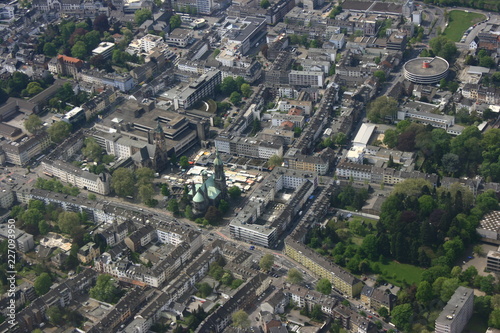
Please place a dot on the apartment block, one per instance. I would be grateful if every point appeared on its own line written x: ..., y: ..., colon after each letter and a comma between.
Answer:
x: 457, y: 312
x: 341, y: 280
x: 20, y: 153
x: 307, y: 78
x: 75, y: 176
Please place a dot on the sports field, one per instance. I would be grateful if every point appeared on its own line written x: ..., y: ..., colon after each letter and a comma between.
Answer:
x: 459, y: 22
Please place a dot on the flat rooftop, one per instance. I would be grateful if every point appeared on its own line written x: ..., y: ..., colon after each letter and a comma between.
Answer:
x: 436, y: 66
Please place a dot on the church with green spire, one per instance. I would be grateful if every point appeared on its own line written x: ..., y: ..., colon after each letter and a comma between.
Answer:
x: 212, y: 190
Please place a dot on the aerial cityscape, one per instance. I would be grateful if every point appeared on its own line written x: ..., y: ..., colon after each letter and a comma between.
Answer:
x: 250, y: 166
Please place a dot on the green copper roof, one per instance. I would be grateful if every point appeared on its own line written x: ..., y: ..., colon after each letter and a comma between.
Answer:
x: 217, y: 160
x: 198, y: 197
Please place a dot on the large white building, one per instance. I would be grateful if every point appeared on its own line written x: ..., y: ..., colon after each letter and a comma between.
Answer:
x: 273, y: 220
x: 68, y: 173
x: 457, y: 312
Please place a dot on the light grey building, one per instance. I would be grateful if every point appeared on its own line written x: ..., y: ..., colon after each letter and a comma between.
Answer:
x: 457, y: 312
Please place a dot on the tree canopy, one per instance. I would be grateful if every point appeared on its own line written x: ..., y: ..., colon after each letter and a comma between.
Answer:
x: 266, y: 262
x: 240, y: 319
x: 324, y: 286
x: 59, y: 131
x: 381, y: 109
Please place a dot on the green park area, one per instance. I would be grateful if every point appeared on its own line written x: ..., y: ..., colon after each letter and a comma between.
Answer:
x: 397, y: 273
x: 459, y: 21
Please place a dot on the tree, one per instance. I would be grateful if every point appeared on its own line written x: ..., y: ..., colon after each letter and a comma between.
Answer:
x: 68, y: 221
x: 33, y: 88
x: 223, y: 206
x: 165, y: 191
x: 487, y: 62
x: 42, y: 284
x: 184, y: 162
x: 228, y: 85
x: 101, y: 23
x: 294, y: 276
x: 59, y: 131
x: 144, y: 176
x: 380, y: 74
x: 390, y: 138
x: 43, y: 227
x: 451, y: 163
x: 55, y: 315
x: 494, y: 320
x: 175, y: 22
x: 49, y: 49
x: 324, y: 286
x: 266, y: 262
x: 235, y: 98
x: 123, y: 182
x: 142, y: 15
x: 443, y: 47
x: 370, y: 247
x: 424, y: 293
x: 204, y: 289
x: 213, y: 215
x: 92, y: 150
x: 240, y: 319
x: 316, y: 312
x: 79, y: 50
x: 274, y: 161
x: 246, y: 90
x: 383, y: 312
x: 401, y: 316
x: 173, y: 206
x: 265, y: 4
x: 234, y: 192
x: 146, y: 192
x: 380, y: 109
x: 105, y: 289
x: 33, y: 124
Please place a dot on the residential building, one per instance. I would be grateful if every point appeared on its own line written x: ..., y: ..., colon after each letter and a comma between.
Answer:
x: 203, y: 86
x: 99, y: 103
x: 64, y: 65
x: 140, y: 238
x: 378, y: 297
x: 24, y: 241
x: 20, y: 153
x: 75, y: 176
x: 307, y: 78
x: 248, y: 147
x: 274, y: 222
x: 61, y: 295
x: 341, y: 280
x: 123, y: 82
x: 179, y: 37
x: 88, y: 252
x: 319, y: 162
x: 457, y: 312
x: 6, y: 197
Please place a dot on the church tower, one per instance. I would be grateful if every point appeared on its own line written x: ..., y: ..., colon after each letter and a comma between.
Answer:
x: 219, y: 176
x: 161, y: 156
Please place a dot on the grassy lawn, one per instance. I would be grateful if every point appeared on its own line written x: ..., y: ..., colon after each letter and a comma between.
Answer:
x: 459, y: 22
x: 361, y: 218
x: 395, y: 273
